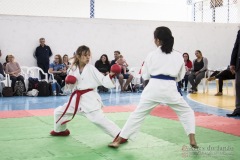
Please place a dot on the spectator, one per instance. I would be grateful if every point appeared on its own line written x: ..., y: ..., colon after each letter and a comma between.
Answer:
x: 5, y: 63
x: 224, y: 75
x: 103, y: 65
x: 122, y: 62
x: 188, y: 66
x: 122, y: 76
x: 42, y: 54
x: 58, y: 70
x: 235, y: 68
x: 14, y: 70
x: 66, y: 62
x: 200, y: 66
x: 2, y: 75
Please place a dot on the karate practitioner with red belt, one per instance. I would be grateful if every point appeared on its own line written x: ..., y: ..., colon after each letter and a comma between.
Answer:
x: 84, y: 79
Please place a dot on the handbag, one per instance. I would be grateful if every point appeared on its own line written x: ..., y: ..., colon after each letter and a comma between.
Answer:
x: 7, y: 92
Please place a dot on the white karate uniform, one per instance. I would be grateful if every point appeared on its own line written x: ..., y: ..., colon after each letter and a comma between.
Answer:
x: 90, y: 103
x: 159, y: 91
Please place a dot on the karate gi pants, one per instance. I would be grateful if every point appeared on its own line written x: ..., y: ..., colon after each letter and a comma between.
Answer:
x: 97, y: 117
x: 159, y: 92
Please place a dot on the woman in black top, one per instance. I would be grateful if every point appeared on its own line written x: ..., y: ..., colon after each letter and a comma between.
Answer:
x: 103, y: 65
x: 200, y: 66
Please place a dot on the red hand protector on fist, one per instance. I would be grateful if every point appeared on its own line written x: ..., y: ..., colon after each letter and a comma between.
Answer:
x: 70, y: 79
x: 116, y: 68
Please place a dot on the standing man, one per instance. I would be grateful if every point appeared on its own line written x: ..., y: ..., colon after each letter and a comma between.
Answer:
x: 235, y: 68
x: 122, y: 76
x: 42, y: 54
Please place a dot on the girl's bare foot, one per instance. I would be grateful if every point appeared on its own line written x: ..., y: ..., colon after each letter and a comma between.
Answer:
x: 116, y: 143
x: 193, y: 142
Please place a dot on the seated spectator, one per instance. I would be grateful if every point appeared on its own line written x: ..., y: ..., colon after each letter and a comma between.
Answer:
x: 103, y: 65
x: 5, y: 63
x: 122, y: 62
x: 188, y: 66
x: 221, y: 76
x: 122, y: 76
x: 200, y: 66
x: 58, y: 70
x: 2, y: 75
x: 14, y: 70
x: 66, y: 62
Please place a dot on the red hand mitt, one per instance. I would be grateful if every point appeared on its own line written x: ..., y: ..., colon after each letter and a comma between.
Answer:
x: 116, y: 68
x: 70, y: 79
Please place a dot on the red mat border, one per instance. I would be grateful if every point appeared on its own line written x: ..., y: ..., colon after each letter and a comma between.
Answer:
x: 218, y: 123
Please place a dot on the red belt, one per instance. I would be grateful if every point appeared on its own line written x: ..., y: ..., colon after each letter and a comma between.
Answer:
x: 79, y: 93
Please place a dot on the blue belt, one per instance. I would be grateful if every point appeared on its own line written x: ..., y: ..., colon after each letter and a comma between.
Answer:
x: 164, y: 77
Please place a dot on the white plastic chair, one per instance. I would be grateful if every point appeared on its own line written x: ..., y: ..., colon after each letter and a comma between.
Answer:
x: 226, y: 82
x: 34, y: 72
x: 24, y: 73
x: 51, y: 78
x: 24, y: 70
x: 204, y: 82
x: 134, y: 71
x: 6, y: 82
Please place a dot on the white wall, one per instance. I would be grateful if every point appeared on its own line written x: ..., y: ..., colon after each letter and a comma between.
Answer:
x: 19, y: 36
x: 164, y: 10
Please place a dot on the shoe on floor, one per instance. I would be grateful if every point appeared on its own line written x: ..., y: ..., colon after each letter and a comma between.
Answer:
x: 211, y: 78
x: 63, y: 133
x: 218, y: 94
x: 234, y: 114
x: 194, y: 92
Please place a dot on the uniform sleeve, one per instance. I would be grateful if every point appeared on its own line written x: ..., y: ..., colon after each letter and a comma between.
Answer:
x: 101, y: 79
x: 145, y: 71
x: 181, y: 73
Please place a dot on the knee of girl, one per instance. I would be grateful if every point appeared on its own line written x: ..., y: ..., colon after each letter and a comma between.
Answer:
x: 57, y: 111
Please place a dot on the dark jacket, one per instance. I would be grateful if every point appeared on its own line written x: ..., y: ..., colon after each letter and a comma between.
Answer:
x: 235, y: 58
x: 1, y: 69
x: 102, y: 67
x: 43, y: 54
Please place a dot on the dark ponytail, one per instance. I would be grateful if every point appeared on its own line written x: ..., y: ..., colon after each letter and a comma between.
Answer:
x: 164, y: 34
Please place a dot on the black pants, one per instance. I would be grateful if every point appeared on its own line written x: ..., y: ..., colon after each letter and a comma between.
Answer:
x: 60, y: 79
x: 183, y: 81
x: 224, y: 75
x: 15, y: 79
x: 44, y: 67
